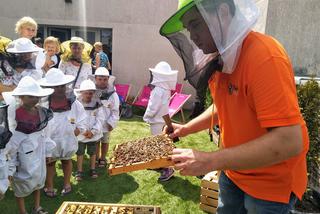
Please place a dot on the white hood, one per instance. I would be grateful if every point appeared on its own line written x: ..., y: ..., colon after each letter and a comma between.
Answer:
x: 162, y: 76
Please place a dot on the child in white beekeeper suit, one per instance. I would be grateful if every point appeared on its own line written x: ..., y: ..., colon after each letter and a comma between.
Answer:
x: 162, y: 81
x: 5, y: 135
x: 28, y: 61
x: 93, y: 132
x: 110, y: 100
x: 68, y: 122
x: 30, y: 145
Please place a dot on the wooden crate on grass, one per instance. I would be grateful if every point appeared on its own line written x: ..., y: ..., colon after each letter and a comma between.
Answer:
x: 209, y: 192
x: 146, y: 153
x: 71, y: 207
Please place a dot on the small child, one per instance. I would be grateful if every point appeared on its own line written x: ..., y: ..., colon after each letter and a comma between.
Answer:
x: 5, y: 135
x: 162, y: 81
x: 26, y: 27
x: 68, y: 122
x: 52, y: 48
x: 110, y: 101
x: 30, y: 144
x: 93, y: 131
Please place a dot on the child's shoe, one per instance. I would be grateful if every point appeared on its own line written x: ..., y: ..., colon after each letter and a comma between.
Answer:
x: 39, y: 210
x: 93, y: 173
x: 166, y: 174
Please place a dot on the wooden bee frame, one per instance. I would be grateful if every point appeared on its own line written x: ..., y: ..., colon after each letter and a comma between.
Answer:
x: 71, y: 207
x: 157, y: 162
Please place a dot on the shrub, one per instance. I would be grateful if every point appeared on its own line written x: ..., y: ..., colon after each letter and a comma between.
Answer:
x: 309, y: 101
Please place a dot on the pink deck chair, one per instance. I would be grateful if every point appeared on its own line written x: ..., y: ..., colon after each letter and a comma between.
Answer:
x: 142, y: 98
x: 123, y: 90
x: 176, y: 102
x: 178, y: 89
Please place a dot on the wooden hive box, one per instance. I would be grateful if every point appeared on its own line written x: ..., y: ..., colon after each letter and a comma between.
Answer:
x: 209, y: 192
x: 71, y: 207
x: 154, y: 163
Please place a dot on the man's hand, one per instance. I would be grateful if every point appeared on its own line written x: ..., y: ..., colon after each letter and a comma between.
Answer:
x: 192, y: 162
x: 178, y: 130
x: 76, y: 132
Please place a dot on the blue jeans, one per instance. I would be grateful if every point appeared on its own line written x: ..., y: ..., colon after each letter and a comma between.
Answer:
x: 232, y: 200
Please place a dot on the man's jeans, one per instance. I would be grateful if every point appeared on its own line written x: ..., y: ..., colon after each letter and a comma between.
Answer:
x: 232, y: 200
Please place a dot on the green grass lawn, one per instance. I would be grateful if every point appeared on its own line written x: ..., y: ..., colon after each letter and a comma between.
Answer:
x: 178, y: 195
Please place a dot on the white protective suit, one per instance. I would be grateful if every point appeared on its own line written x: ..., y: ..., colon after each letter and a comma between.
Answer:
x: 69, y: 69
x: 158, y: 104
x: 110, y: 101
x: 27, y: 162
x: 93, y: 122
x: 63, y: 126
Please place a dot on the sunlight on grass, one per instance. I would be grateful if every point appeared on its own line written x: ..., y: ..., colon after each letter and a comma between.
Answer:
x: 178, y: 195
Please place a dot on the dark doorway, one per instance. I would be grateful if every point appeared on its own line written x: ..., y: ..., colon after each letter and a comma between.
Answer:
x: 62, y: 33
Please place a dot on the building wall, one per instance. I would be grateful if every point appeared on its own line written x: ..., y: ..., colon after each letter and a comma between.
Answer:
x: 136, y: 44
x: 296, y: 24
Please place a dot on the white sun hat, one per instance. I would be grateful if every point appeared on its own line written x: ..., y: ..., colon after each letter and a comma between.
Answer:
x: 101, y: 71
x: 76, y: 39
x: 86, y: 85
x: 55, y: 77
x: 30, y: 87
x: 23, y: 45
x: 163, y: 68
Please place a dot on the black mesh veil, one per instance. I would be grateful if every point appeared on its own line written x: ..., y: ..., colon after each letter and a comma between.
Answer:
x: 197, y: 72
x: 5, y: 133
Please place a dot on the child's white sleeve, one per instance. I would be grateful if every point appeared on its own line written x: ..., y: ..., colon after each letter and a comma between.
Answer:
x: 50, y: 144
x: 97, y: 127
x: 154, y: 103
x: 54, y: 59
x: 81, y: 116
x: 115, y: 114
x: 12, y: 148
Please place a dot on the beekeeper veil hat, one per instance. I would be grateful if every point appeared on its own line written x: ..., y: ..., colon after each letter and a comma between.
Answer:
x: 228, y: 22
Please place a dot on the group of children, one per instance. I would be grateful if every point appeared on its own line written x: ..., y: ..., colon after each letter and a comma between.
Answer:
x: 54, y: 113
x: 51, y: 122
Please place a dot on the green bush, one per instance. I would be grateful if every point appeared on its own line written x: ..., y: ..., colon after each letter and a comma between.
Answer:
x: 309, y: 101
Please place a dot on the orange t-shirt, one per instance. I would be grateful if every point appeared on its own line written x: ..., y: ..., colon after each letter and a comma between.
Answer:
x: 259, y: 94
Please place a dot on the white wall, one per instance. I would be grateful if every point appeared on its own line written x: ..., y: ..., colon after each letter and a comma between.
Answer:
x: 137, y: 44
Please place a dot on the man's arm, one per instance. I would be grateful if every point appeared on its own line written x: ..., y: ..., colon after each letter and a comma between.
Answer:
x: 277, y: 145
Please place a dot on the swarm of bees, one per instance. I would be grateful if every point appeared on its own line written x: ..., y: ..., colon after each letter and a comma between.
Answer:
x: 143, y: 150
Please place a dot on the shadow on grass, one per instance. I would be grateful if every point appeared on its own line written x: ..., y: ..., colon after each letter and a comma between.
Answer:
x: 182, y: 188
x: 105, y: 188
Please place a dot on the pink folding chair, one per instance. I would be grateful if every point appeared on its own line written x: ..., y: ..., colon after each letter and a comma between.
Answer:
x: 178, y: 89
x: 123, y: 90
x: 177, y: 100
x: 142, y: 98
